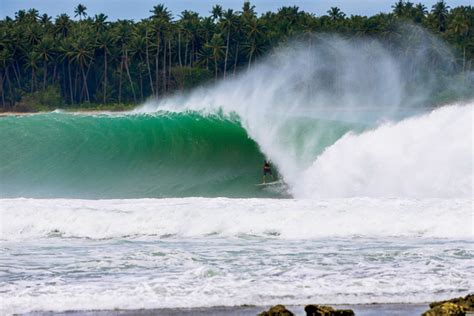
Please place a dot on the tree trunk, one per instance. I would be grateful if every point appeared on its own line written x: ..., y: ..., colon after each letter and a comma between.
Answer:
x: 120, y: 80
x: 157, y: 67
x: 226, y: 52
x: 45, y: 75
x: 169, y: 65
x: 130, y: 77
x: 76, y: 83
x: 55, y: 72
x: 179, y: 49
x: 32, y: 79
x: 85, y: 83
x: 191, y: 59
x: 148, y: 65
x: 141, y: 87
x: 464, y: 59
x: 186, y: 54
x: 3, y: 93
x: 105, y: 78
x: 250, y: 58
x: 9, y: 83
x: 18, y: 73
x: 164, y: 66
x: 70, y: 82
x: 215, y: 66
x: 236, y: 57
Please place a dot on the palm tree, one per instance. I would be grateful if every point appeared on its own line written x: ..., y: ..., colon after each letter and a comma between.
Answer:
x: 459, y: 26
x: 248, y: 10
x: 336, y: 14
x: 80, y: 11
x: 45, y: 51
x: 45, y: 21
x: 216, y: 45
x: 105, y: 43
x: 32, y: 60
x: 161, y: 19
x: 216, y: 12
x: 6, y: 59
x: 147, y: 31
x: 100, y: 23
x: 82, y: 54
x: 440, y: 13
x: 190, y: 25
x: 65, y: 53
x: 228, y: 22
x: 62, y: 25
x: 420, y: 13
x: 254, y: 30
x: 123, y: 35
x: 205, y: 56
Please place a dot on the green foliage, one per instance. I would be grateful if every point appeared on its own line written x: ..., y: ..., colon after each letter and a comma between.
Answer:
x: 186, y: 78
x: 90, y: 60
x: 41, y: 100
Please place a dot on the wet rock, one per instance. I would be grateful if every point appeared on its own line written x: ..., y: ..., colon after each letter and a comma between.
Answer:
x: 277, y: 310
x: 466, y: 302
x: 446, y: 309
x: 321, y: 310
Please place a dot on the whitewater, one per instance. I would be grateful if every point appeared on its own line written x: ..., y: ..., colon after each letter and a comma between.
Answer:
x: 158, y: 207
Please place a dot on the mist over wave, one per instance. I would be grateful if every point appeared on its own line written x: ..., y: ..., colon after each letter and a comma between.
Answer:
x: 426, y: 156
x: 360, y: 83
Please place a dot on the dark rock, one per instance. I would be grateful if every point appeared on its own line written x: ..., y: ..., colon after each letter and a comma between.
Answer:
x: 446, y: 309
x: 277, y: 310
x: 321, y: 310
x: 466, y: 302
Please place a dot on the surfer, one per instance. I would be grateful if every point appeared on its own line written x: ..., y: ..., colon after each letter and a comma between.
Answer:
x: 267, y: 170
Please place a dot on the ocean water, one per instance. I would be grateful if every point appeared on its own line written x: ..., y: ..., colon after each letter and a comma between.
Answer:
x: 159, y: 208
x: 86, y: 249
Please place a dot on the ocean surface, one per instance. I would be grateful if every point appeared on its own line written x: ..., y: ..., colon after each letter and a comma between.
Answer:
x: 148, y: 210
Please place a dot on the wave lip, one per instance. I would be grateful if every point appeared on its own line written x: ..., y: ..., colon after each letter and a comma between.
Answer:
x: 269, y: 218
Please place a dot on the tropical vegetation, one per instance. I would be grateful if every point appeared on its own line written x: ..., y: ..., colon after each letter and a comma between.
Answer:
x: 83, y: 61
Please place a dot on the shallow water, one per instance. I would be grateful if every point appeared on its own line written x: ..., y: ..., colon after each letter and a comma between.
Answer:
x: 168, y: 253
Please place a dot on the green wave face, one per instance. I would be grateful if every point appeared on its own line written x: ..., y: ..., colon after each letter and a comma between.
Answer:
x: 129, y: 156
x: 139, y: 156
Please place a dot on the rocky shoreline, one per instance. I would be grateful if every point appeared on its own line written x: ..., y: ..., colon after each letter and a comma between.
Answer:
x: 460, y: 306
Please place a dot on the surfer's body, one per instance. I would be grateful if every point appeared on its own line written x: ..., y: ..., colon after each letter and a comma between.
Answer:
x: 267, y: 169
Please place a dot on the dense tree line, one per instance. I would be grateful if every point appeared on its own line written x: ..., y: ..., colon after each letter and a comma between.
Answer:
x: 81, y: 60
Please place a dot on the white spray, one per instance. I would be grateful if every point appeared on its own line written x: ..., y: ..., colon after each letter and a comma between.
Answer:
x: 332, y: 79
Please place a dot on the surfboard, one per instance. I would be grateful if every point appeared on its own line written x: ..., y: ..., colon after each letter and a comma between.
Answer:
x: 269, y: 183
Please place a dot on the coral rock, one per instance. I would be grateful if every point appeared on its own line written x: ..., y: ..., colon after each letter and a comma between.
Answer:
x: 277, y: 310
x: 321, y: 310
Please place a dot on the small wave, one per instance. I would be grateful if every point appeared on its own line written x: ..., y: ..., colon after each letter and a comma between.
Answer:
x: 273, y: 218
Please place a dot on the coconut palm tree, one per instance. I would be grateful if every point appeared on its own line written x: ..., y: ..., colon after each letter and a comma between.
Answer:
x: 122, y: 36
x: 62, y: 25
x: 82, y: 55
x: 216, y: 12
x: 80, y: 11
x: 45, y: 51
x: 100, y: 23
x: 216, y: 45
x: 32, y: 62
x: 440, y: 13
x: 105, y: 43
x: 335, y: 14
x: 160, y: 20
x: 227, y: 23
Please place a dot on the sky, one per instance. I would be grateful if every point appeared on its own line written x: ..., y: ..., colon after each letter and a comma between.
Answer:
x: 139, y: 9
